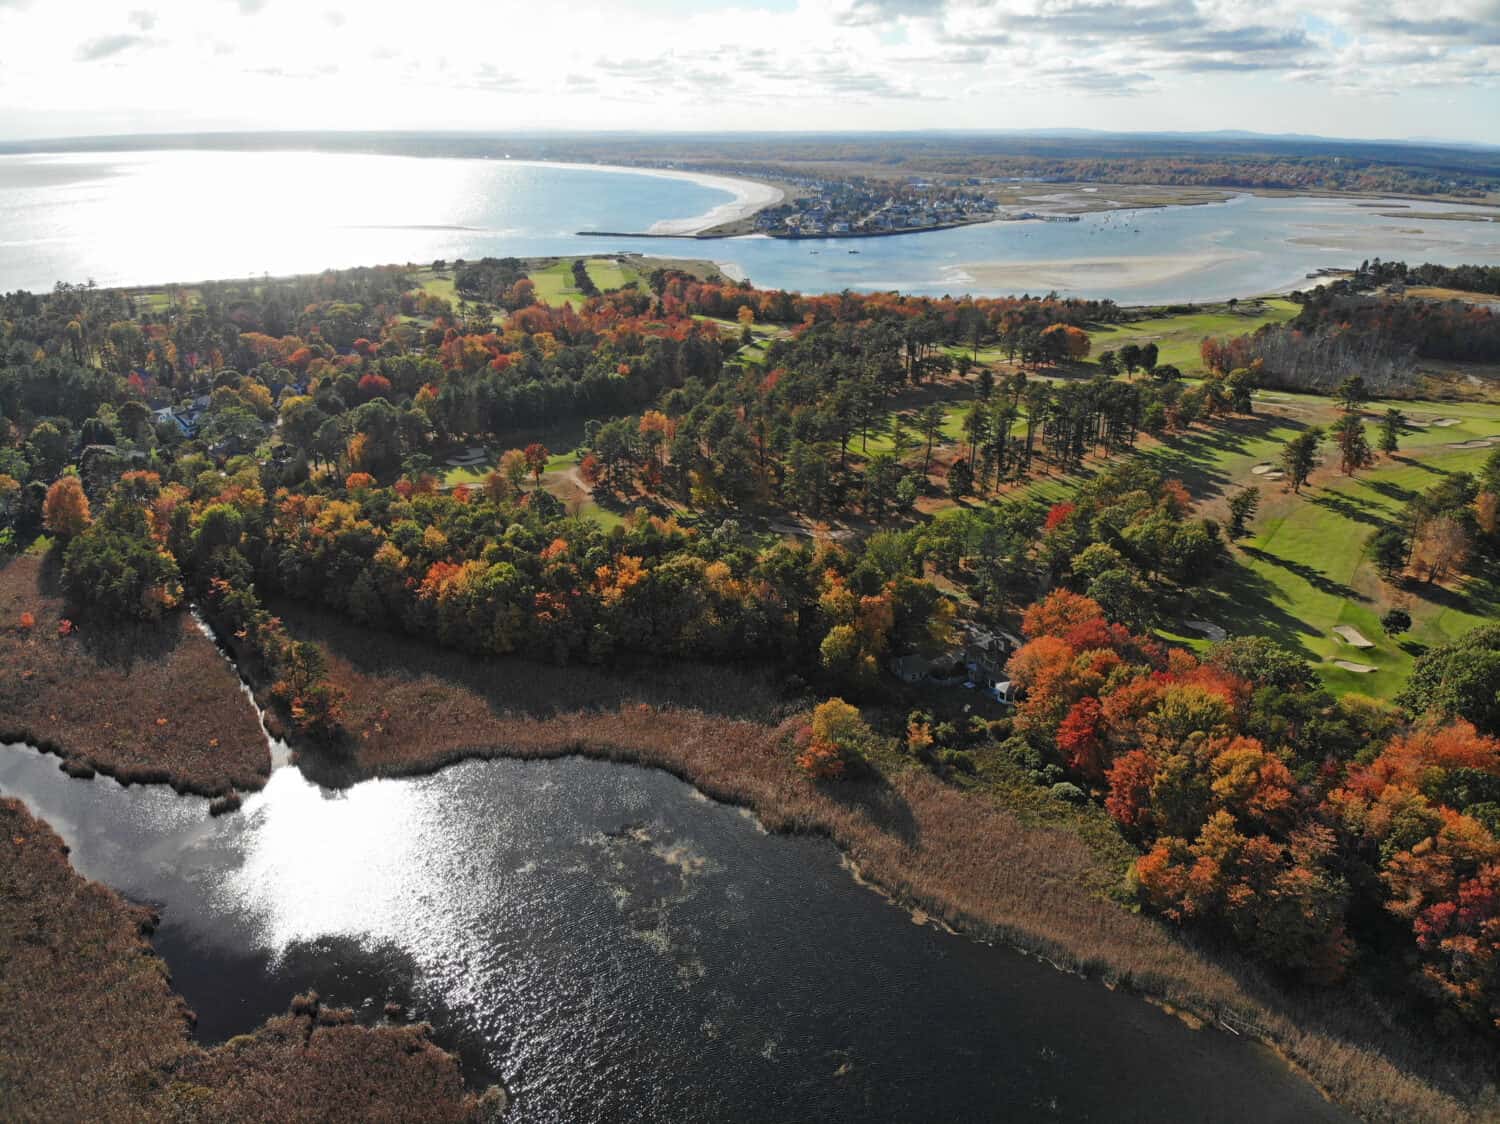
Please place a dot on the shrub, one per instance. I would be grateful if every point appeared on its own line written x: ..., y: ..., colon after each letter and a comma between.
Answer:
x: 837, y: 743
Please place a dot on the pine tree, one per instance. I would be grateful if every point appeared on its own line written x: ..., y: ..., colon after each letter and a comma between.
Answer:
x: 1242, y: 507
x: 1354, y: 446
x: 1299, y: 456
x: 1390, y: 430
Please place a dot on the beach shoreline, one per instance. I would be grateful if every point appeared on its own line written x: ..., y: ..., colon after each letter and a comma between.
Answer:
x: 749, y: 196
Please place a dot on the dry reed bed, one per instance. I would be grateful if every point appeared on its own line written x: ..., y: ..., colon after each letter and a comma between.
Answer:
x: 144, y: 705
x: 958, y: 856
x: 91, y: 1030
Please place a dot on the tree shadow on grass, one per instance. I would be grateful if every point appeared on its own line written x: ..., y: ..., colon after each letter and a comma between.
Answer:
x: 123, y: 645
x: 1350, y: 507
x: 874, y: 799
x: 1245, y: 603
x: 1478, y: 596
x: 1389, y: 490
x: 1313, y: 577
x: 1196, y: 456
x: 1411, y: 462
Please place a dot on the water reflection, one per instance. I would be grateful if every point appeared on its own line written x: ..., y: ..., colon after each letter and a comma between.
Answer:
x: 616, y: 948
x: 152, y: 217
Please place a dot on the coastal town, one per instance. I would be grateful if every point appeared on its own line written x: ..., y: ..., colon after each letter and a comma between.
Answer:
x: 848, y: 208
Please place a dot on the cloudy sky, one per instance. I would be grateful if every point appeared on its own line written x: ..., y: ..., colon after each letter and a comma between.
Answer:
x: 1356, y: 68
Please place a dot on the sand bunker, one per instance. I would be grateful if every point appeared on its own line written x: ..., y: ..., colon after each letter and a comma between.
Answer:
x: 1262, y: 469
x: 1209, y: 629
x: 1357, y: 668
x: 1445, y: 422
x: 469, y: 458
x: 1354, y: 636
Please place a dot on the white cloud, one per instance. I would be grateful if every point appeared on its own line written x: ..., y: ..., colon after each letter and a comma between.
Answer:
x: 824, y: 64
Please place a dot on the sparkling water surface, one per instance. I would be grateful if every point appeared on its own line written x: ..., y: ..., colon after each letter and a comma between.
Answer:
x: 615, y: 946
x: 153, y: 217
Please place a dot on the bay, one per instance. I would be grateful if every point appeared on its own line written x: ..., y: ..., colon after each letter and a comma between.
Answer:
x: 141, y: 218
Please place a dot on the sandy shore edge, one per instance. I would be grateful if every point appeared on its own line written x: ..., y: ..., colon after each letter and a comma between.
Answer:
x: 750, y: 196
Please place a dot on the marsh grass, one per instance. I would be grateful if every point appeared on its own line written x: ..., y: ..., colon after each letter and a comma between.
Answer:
x: 90, y: 1028
x: 144, y: 704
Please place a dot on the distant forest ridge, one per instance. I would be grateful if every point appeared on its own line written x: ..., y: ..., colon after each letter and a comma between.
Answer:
x: 1229, y: 160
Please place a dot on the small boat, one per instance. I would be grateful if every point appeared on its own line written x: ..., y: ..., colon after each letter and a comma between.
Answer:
x: 854, y: 251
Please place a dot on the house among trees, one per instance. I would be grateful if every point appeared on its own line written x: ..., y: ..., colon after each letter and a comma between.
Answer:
x: 185, y: 418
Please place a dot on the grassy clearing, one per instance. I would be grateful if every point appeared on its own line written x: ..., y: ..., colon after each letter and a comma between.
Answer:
x: 609, y: 274
x: 439, y: 284
x: 141, y: 704
x: 1177, y: 337
x: 988, y: 856
x: 554, y: 283
x: 91, y: 1030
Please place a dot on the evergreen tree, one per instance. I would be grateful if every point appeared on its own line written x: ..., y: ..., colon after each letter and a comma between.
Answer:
x: 1242, y: 507
x: 1354, y: 446
x: 1390, y: 430
x: 1299, y: 456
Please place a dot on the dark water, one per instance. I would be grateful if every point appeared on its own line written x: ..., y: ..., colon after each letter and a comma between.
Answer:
x: 616, y: 947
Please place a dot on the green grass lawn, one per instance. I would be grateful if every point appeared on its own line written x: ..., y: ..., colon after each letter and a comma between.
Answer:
x: 439, y: 284
x: 1302, y: 571
x: 554, y: 284
x: 609, y: 274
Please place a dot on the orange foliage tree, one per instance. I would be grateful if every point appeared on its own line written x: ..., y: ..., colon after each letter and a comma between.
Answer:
x: 65, y: 512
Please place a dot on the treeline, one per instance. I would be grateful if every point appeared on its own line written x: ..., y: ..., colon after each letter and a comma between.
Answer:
x: 1337, y: 336
x: 1466, y: 278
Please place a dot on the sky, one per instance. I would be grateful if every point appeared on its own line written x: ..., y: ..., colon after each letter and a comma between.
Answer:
x: 1425, y: 69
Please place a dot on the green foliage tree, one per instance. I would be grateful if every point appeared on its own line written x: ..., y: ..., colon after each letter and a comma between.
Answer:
x: 1390, y: 549
x: 1391, y: 424
x: 1299, y: 456
x: 1354, y: 447
x: 115, y: 568
x: 1242, y: 507
x: 960, y: 479
x: 1460, y: 679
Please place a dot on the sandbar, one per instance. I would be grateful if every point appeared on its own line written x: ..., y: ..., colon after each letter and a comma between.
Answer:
x: 1093, y: 273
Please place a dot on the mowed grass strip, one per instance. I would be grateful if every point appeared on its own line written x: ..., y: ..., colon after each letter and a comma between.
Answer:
x: 1178, y: 338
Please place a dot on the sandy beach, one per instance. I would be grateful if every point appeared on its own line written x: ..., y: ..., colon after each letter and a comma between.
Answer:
x: 749, y: 195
